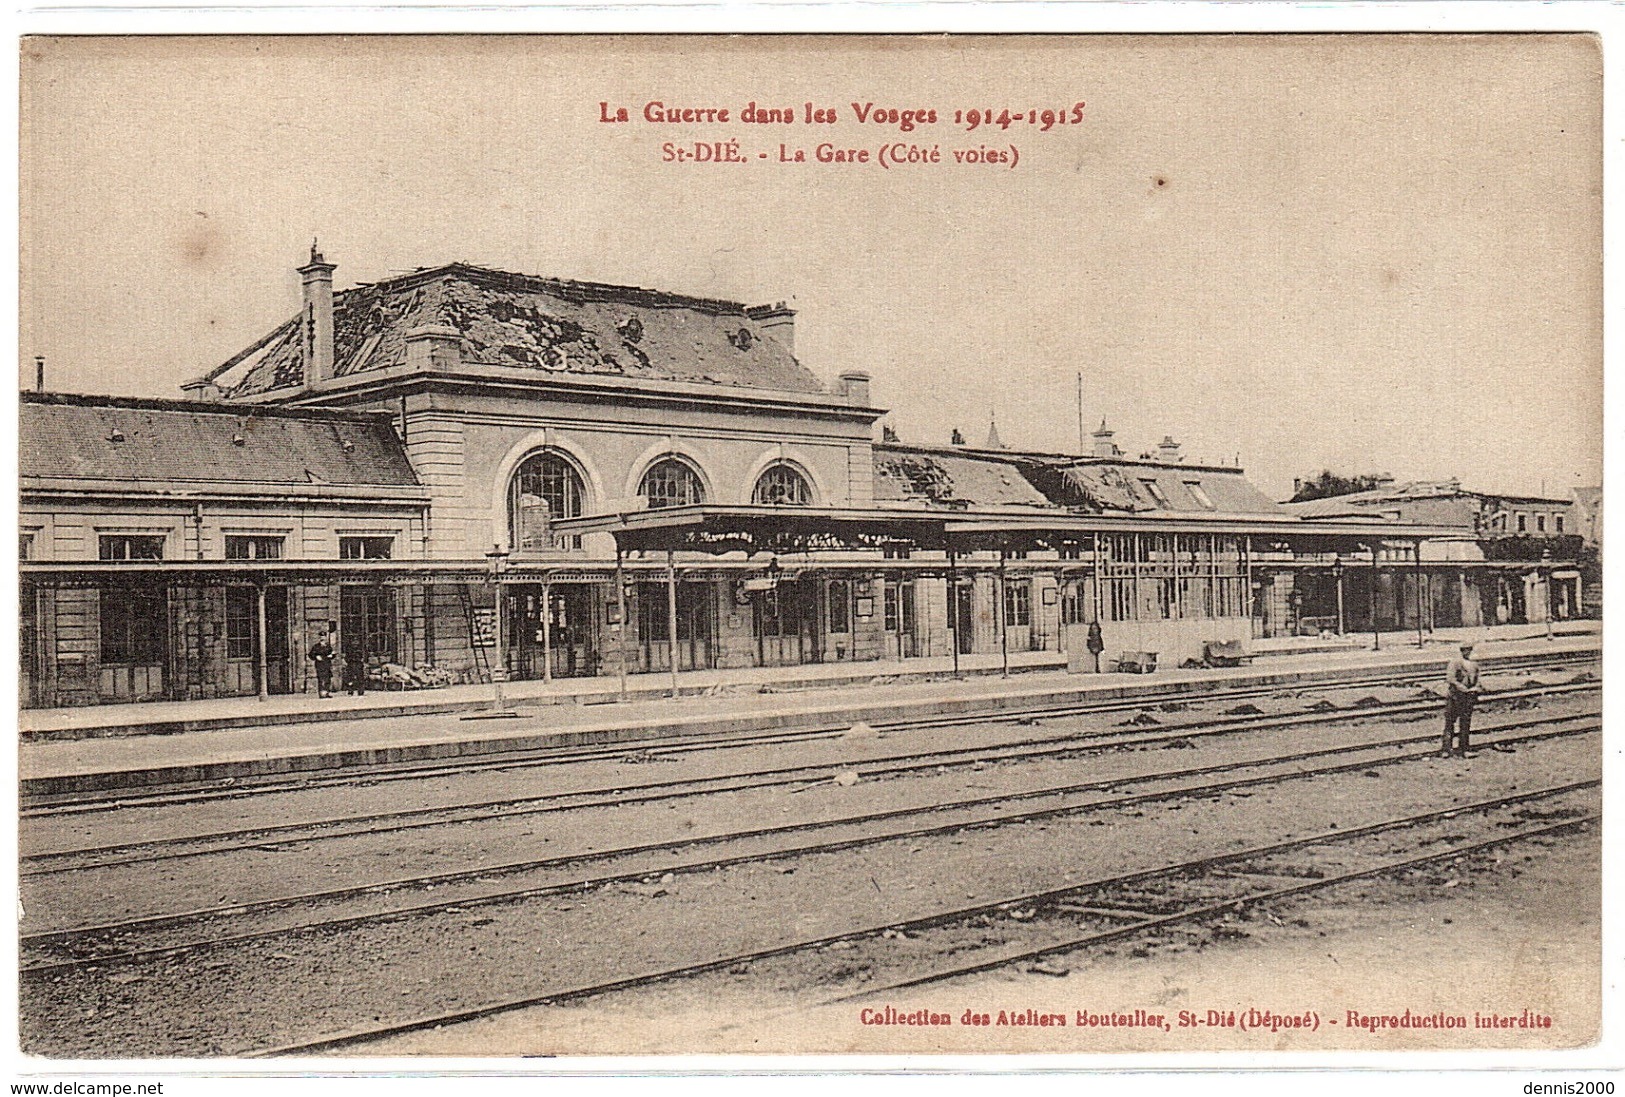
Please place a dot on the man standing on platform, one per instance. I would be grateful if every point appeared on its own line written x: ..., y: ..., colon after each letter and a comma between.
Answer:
x: 1461, y: 680
x: 321, y: 653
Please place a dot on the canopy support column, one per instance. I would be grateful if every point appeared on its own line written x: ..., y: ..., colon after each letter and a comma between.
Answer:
x: 1100, y: 586
x: 547, y: 627
x: 953, y: 604
x: 1337, y: 577
x: 262, y: 667
x: 671, y: 615
x: 1376, y: 635
x: 1002, y: 618
x: 620, y: 611
x: 1420, y: 578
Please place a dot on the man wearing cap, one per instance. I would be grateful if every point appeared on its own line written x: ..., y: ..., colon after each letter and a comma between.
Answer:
x: 1461, y: 680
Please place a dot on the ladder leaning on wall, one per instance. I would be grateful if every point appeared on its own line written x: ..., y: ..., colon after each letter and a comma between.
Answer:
x: 482, y: 662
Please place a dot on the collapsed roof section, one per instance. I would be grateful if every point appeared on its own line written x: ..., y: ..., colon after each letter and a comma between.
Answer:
x: 532, y: 323
x: 959, y: 479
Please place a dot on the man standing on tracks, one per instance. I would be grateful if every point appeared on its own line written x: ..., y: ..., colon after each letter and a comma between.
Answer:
x: 1461, y: 680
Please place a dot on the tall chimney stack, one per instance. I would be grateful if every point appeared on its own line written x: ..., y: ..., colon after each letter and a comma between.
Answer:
x: 316, y: 324
x: 39, y: 373
x: 1104, y: 446
x: 854, y: 387
x: 778, y: 321
x: 1168, y: 450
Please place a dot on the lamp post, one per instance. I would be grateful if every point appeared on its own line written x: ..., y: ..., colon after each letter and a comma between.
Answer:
x: 496, y: 562
x: 1337, y: 578
x: 621, y: 625
x: 671, y: 615
x: 1376, y: 637
x: 1546, y: 577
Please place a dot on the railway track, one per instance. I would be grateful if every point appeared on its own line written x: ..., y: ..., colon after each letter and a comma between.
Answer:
x: 1036, y: 924
x: 144, y: 939
x: 621, y: 793
x: 34, y: 807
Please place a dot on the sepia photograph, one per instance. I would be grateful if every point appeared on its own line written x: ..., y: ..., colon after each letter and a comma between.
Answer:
x: 653, y: 545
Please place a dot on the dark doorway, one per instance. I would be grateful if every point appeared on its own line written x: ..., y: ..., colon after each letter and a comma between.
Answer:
x: 134, y: 642
x: 900, y: 618
x: 243, y: 640
x: 366, y: 631
x: 965, y: 618
x: 786, y: 623
x: 572, y: 642
x: 695, y: 647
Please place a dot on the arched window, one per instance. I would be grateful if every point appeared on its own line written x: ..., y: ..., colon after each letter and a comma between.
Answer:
x: 782, y: 485
x: 671, y: 483
x: 546, y: 487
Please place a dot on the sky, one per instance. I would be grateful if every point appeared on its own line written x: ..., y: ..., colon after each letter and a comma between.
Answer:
x: 1363, y: 253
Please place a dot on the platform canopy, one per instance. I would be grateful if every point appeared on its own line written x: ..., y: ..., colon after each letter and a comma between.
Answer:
x: 113, y: 573
x: 761, y: 528
x: 714, y: 528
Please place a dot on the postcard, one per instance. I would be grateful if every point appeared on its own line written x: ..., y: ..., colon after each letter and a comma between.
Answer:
x: 971, y: 544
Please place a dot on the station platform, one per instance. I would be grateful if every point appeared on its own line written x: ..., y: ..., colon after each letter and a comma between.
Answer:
x: 68, y: 750
x: 176, y: 717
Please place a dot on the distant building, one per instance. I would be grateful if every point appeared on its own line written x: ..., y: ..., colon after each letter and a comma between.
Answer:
x: 1529, y: 545
x: 1447, y: 503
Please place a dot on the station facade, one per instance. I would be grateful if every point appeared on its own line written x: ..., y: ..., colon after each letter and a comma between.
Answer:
x: 461, y: 473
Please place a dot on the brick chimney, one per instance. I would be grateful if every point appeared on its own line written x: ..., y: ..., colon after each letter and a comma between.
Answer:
x: 434, y: 347
x: 778, y: 321
x: 316, y: 322
x: 1104, y: 446
x: 855, y: 388
x: 1168, y: 450
x: 201, y: 388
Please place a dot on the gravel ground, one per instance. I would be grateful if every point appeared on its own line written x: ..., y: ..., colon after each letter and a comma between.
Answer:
x: 284, y: 868
x: 137, y: 822
x: 1519, y: 930
x: 300, y: 987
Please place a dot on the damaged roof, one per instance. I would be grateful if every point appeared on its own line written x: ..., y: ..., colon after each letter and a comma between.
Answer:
x: 1102, y: 485
x: 1392, y: 497
x: 542, y: 324
x: 954, y: 480
x: 72, y: 437
x: 934, y: 477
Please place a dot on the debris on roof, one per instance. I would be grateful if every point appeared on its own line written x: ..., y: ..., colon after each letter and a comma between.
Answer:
x: 541, y: 324
x: 952, y: 480
x: 1100, y: 487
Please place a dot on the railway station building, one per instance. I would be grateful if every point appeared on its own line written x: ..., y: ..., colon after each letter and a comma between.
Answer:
x: 462, y: 473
